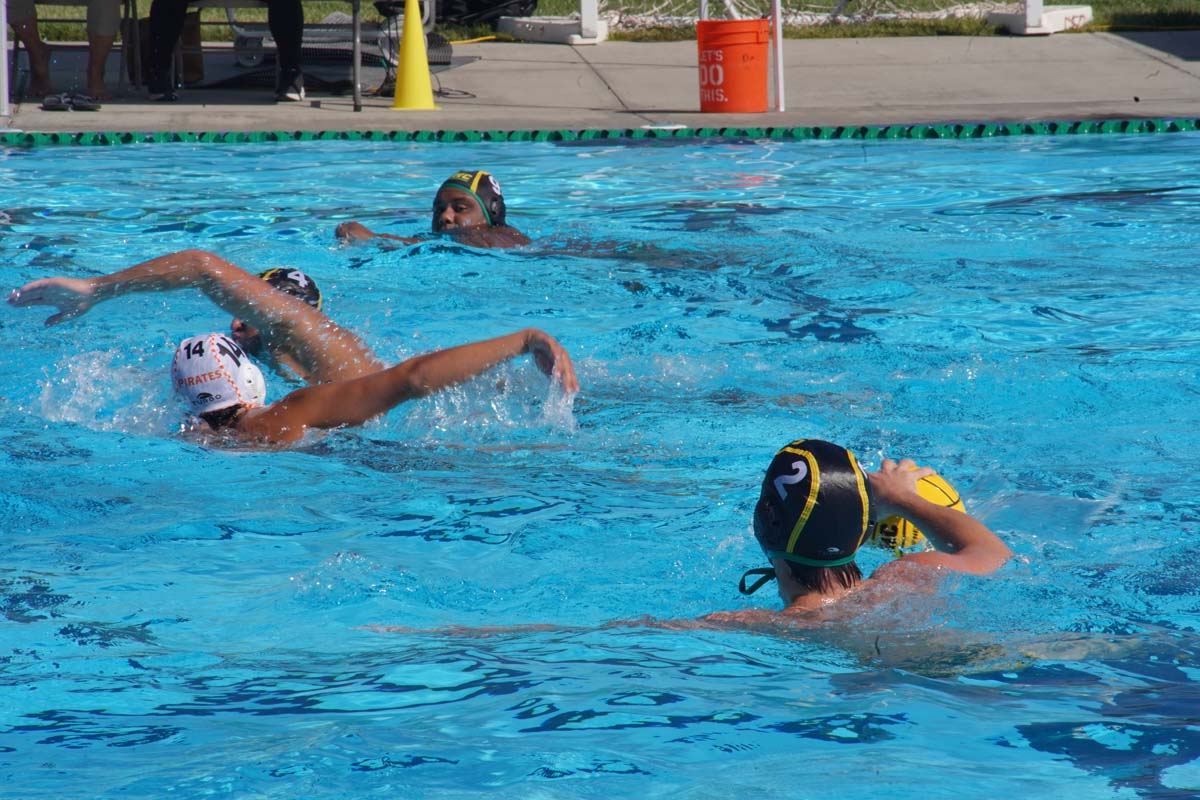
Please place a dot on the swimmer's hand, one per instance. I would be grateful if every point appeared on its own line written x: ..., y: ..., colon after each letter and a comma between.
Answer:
x: 357, y: 232
x: 552, y: 359
x: 71, y: 296
x: 894, y: 486
x: 353, y: 232
x: 962, y: 543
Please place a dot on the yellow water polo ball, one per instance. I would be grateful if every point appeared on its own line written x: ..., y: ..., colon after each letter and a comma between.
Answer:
x: 898, y: 534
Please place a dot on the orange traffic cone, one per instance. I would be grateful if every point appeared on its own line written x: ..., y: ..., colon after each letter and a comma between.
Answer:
x: 414, y: 92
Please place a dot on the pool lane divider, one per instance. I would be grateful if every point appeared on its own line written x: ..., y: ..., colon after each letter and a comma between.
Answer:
x: 979, y: 130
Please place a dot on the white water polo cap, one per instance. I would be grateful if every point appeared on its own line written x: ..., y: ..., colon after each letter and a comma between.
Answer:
x: 212, y: 372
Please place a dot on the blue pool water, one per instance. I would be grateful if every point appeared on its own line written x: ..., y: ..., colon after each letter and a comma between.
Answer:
x: 1020, y: 314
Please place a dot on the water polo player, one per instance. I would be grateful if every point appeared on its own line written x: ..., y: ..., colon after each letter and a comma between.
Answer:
x: 291, y: 282
x: 223, y: 388
x: 276, y: 315
x: 469, y: 206
x: 816, y: 508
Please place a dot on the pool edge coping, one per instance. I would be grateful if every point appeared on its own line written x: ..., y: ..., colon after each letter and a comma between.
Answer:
x: 972, y: 130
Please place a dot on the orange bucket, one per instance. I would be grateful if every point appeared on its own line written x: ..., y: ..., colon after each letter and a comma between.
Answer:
x: 733, y: 64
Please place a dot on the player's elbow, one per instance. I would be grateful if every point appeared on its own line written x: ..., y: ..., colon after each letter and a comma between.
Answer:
x: 988, y: 559
x: 200, y: 264
x: 416, y: 379
x: 202, y: 259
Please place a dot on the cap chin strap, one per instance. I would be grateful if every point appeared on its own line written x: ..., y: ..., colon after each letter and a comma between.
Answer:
x: 765, y: 576
x: 487, y: 215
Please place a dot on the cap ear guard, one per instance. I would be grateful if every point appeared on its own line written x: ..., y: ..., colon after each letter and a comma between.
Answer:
x: 491, y: 198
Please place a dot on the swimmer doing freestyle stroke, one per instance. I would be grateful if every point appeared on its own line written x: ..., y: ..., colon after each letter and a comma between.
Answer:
x: 225, y: 389
x: 285, y: 328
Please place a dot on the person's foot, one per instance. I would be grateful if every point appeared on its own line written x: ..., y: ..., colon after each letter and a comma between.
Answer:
x: 98, y: 91
x: 98, y: 49
x: 160, y: 89
x: 290, y: 87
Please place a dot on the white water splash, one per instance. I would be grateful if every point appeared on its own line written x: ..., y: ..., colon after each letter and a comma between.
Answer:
x: 101, y: 391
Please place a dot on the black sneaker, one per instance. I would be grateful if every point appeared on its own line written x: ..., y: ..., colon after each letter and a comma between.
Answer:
x: 290, y: 88
x: 160, y: 89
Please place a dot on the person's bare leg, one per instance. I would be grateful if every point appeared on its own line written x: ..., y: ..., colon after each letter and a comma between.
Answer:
x: 39, y: 56
x: 98, y: 49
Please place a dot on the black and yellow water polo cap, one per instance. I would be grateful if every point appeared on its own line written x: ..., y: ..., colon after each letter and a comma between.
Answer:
x: 295, y: 283
x: 484, y: 187
x: 814, y: 508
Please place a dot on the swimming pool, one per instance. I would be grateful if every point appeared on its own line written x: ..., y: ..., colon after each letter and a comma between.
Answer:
x: 1019, y: 313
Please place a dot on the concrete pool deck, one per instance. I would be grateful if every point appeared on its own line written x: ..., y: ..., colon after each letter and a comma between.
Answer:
x: 625, y: 85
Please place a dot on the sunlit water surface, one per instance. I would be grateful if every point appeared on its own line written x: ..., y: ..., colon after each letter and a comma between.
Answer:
x: 1021, y: 314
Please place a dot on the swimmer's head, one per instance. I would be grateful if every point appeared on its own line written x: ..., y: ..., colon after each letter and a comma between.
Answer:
x: 813, y: 513
x: 468, y: 199
x: 295, y: 283
x: 288, y: 281
x: 211, y: 373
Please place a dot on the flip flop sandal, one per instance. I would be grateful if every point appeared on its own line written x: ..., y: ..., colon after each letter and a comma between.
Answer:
x: 56, y: 102
x: 82, y: 102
